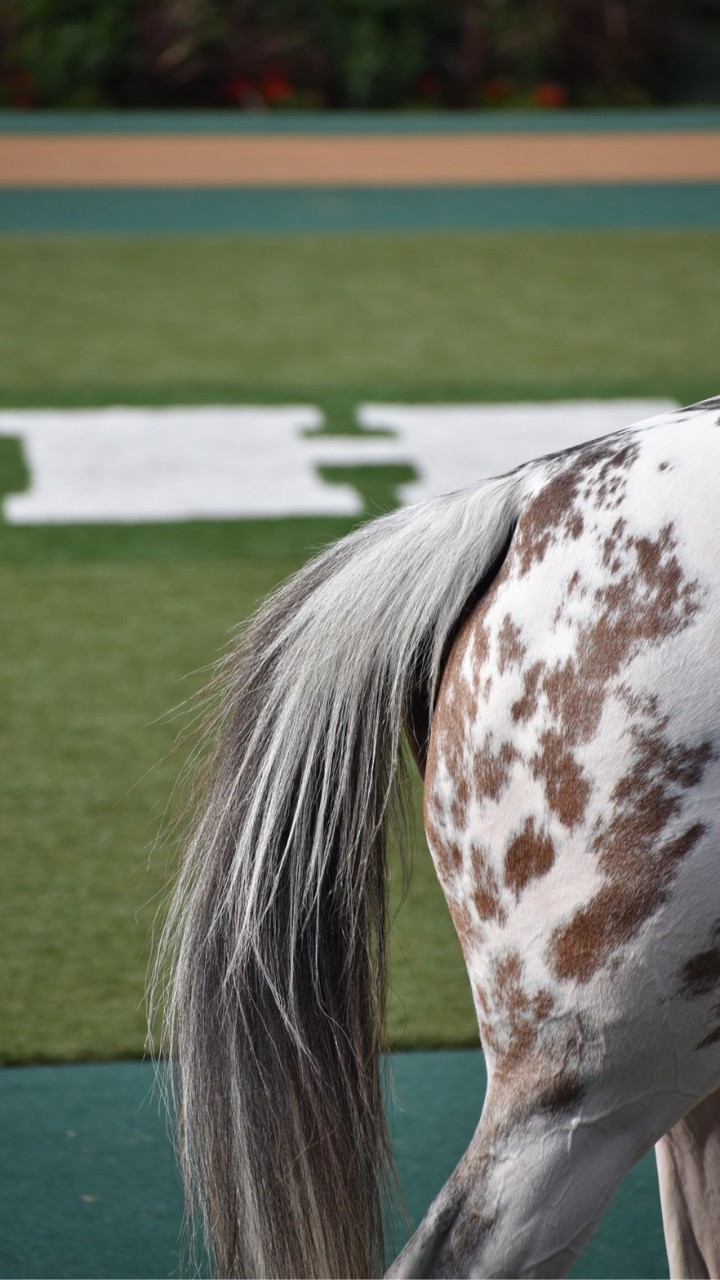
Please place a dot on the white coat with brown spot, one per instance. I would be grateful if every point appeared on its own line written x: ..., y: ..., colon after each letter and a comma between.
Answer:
x: 572, y: 806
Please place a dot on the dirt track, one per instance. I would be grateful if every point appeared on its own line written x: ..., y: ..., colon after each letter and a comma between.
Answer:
x: 220, y: 161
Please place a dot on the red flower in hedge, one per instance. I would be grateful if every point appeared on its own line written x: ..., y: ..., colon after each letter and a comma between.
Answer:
x: 276, y: 88
x: 549, y: 95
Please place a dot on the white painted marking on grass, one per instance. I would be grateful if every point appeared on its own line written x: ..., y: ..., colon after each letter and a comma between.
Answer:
x: 452, y: 445
x: 117, y: 466
x: 134, y: 465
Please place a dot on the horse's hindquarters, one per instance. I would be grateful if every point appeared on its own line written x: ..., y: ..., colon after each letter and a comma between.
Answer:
x: 571, y: 807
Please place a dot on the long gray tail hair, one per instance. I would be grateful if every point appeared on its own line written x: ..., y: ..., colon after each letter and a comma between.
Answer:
x: 274, y: 950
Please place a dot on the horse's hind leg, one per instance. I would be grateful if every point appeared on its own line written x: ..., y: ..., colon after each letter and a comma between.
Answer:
x: 576, y: 1096
x: 688, y: 1159
x: 532, y: 1186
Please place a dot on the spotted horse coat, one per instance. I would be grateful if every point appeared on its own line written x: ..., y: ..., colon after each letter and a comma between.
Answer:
x: 572, y: 808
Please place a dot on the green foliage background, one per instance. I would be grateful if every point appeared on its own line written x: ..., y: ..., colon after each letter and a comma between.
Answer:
x: 358, y: 53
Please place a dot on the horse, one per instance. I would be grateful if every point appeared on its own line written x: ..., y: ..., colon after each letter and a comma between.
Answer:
x: 548, y: 642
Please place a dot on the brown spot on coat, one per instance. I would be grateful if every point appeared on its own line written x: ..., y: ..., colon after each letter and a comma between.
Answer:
x: 526, y: 706
x: 460, y: 801
x: 511, y: 650
x: 574, y: 700
x: 530, y: 855
x: 537, y: 1058
x: 537, y: 528
x: 450, y: 857
x: 487, y: 894
x: 567, y: 790
x: 612, y: 540
x: 651, y: 601
x: 617, y: 912
x: 494, y: 769
x: 639, y: 864
x: 553, y: 515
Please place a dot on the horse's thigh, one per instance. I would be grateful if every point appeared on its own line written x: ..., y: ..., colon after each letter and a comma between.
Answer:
x: 688, y: 1159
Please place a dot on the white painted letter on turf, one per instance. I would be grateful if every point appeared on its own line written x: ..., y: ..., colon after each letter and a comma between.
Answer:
x: 133, y: 465
x: 452, y: 445
x: 114, y: 466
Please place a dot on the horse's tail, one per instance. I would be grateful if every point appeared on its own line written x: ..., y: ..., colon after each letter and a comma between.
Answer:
x: 276, y: 932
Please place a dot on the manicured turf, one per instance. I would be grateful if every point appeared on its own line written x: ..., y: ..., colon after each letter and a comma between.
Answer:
x: 93, y: 656
x: 91, y: 314
x: 101, y: 625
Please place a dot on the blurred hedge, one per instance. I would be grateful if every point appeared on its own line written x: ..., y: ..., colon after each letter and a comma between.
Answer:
x: 358, y: 53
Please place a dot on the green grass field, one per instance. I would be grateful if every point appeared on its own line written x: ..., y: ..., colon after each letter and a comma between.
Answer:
x: 107, y: 629
x: 548, y: 312
x: 94, y: 658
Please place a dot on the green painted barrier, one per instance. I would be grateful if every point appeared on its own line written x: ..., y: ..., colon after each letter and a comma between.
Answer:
x: 648, y: 119
x: 88, y: 1186
x: 140, y: 210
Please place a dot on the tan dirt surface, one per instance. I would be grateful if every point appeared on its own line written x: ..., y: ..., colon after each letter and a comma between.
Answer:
x: 213, y: 161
